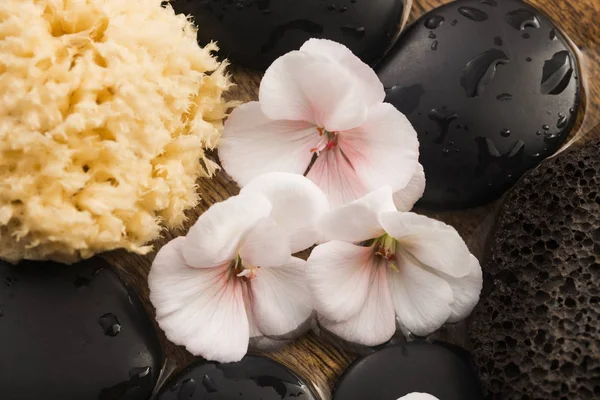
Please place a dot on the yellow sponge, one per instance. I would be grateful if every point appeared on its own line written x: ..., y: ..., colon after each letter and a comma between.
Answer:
x: 106, y: 107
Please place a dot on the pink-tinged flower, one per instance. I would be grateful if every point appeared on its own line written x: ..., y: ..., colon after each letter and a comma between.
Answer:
x: 321, y: 114
x: 232, y: 277
x: 418, y: 396
x: 406, y: 268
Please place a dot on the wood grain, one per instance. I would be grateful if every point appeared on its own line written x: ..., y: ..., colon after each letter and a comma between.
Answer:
x: 319, y: 361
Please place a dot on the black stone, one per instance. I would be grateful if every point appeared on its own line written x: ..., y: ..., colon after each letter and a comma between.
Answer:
x: 252, y: 378
x: 481, y: 95
x: 73, y: 332
x: 536, y: 331
x: 440, y: 369
x: 254, y: 33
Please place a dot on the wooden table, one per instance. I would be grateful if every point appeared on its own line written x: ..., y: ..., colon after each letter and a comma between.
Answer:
x: 319, y: 362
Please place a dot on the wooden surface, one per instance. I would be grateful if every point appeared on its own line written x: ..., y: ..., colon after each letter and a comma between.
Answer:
x: 316, y: 360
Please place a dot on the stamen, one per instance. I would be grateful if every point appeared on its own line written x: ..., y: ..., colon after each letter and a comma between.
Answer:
x: 385, y: 246
x: 242, y: 271
x: 328, y: 141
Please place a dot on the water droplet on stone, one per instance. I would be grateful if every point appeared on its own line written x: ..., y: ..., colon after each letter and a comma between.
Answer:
x: 545, y: 127
x: 472, y: 13
x: 454, y: 22
x: 526, y: 35
x: 528, y: 59
x: 522, y: 18
x: 343, y: 9
x: 480, y: 71
x: 443, y: 118
x: 553, y: 34
x: 434, y: 21
x: 434, y: 45
x: 432, y: 35
x: 209, y: 385
x: 504, y: 97
x: 331, y: 7
x: 139, y: 373
x: 562, y: 122
x: 551, y: 136
x: 187, y: 389
x: 492, y: 3
x: 505, y: 133
x: 538, y: 133
x: 357, y: 33
x: 110, y: 324
x: 405, y: 98
x: 445, y: 152
x: 572, y: 111
x: 498, y: 41
x: 9, y: 281
x: 557, y: 73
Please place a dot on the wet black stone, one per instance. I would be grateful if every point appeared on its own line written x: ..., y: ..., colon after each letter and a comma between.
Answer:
x: 73, y: 332
x: 252, y: 378
x: 479, y: 79
x: 440, y: 369
x: 536, y: 331
x: 254, y: 33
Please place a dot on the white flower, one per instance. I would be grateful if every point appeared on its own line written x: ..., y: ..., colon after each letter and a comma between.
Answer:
x: 418, y: 396
x: 321, y: 114
x: 233, y: 276
x: 408, y: 268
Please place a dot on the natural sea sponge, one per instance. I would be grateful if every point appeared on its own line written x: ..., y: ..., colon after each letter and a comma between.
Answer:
x: 106, y: 107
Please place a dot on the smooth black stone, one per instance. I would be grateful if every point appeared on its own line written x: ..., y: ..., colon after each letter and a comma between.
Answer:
x: 254, y: 33
x: 536, y: 330
x: 252, y: 378
x: 440, y: 369
x: 493, y: 94
x: 73, y: 332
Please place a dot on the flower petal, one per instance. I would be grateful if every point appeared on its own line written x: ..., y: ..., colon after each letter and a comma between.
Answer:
x: 375, y: 323
x: 432, y: 242
x: 216, y: 236
x: 201, y: 309
x: 265, y: 245
x: 405, y: 199
x: 297, y: 204
x: 280, y: 299
x: 418, y: 396
x: 466, y: 291
x: 363, y: 76
x: 359, y: 220
x: 301, y: 87
x: 253, y: 144
x: 384, y: 150
x: 421, y: 298
x: 332, y: 173
x: 339, y: 276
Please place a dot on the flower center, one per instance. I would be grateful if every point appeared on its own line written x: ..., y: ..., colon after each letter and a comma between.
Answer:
x: 246, y: 273
x: 386, y: 247
x: 328, y: 141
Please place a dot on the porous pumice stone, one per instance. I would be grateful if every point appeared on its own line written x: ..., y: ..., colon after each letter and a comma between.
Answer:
x: 252, y: 378
x: 106, y: 107
x: 254, y: 33
x: 536, y: 331
x: 491, y: 88
x: 74, y: 332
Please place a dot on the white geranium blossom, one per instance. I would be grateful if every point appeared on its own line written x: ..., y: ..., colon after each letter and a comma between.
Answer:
x: 383, y: 265
x: 233, y: 277
x: 321, y: 114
